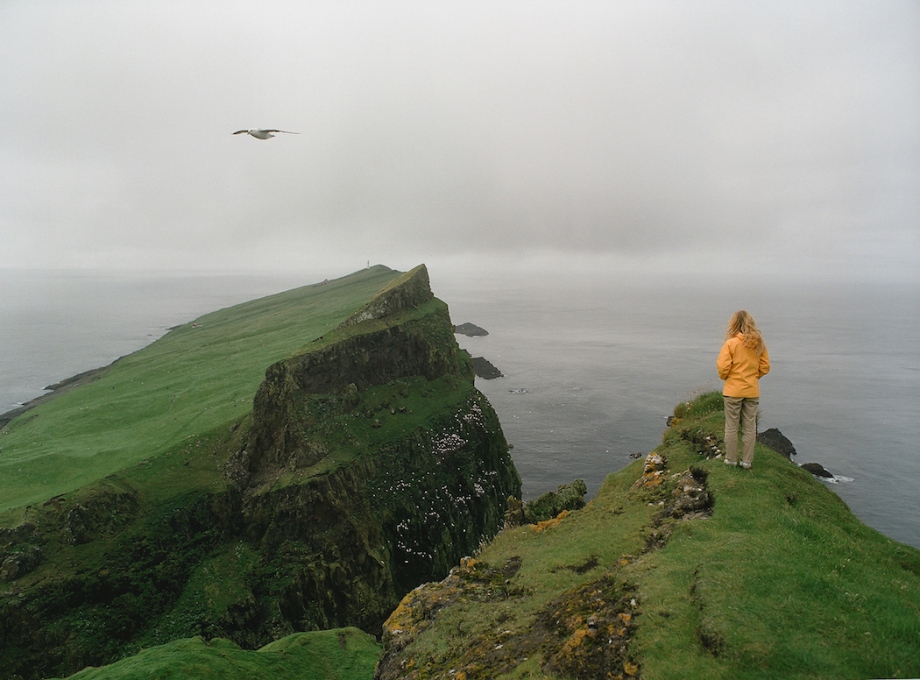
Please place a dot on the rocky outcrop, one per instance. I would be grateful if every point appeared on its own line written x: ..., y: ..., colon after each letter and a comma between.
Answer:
x: 406, y: 292
x: 20, y: 551
x: 485, y: 369
x: 817, y: 470
x: 777, y: 441
x: 471, y: 330
x: 585, y: 631
x: 103, y: 511
x: 566, y: 497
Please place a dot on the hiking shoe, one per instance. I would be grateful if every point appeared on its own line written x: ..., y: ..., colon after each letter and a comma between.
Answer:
x: 746, y: 466
x: 731, y: 462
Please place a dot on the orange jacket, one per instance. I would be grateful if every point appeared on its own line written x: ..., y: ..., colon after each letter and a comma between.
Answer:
x: 740, y: 368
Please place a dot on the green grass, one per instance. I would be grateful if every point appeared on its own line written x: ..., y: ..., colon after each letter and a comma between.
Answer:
x: 195, y: 378
x: 342, y: 654
x: 782, y: 580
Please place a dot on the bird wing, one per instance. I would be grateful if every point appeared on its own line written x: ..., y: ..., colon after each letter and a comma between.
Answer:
x: 240, y: 132
x: 287, y: 132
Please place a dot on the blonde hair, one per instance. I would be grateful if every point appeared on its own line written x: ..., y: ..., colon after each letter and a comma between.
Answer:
x: 742, y: 322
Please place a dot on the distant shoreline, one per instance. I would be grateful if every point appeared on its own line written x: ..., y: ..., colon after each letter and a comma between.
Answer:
x: 54, y: 390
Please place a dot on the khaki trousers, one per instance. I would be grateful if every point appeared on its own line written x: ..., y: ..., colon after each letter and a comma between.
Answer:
x: 743, y: 410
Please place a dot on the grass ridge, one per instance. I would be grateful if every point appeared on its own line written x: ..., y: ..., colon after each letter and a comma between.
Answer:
x: 197, y: 377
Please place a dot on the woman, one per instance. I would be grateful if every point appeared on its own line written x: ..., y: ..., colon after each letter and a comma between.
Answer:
x: 741, y: 363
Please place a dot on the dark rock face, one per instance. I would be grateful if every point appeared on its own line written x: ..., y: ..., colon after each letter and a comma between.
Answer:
x: 776, y: 441
x: 343, y: 368
x: 353, y: 541
x: 20, y: 563
x: 20, y: 551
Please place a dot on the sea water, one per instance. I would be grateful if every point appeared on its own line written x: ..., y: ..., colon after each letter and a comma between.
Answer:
x: 593, y: 365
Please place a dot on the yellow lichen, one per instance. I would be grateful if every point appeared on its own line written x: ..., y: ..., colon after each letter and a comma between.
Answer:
x: 549, y: 523
x: 573, y: 642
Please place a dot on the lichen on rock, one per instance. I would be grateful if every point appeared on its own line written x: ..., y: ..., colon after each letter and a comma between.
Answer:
x: 583, y: 633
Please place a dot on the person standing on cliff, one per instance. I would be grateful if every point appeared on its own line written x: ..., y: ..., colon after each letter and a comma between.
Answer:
x: 742, y: 362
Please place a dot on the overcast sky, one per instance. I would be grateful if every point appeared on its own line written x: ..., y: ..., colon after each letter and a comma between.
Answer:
x: 750, y: 137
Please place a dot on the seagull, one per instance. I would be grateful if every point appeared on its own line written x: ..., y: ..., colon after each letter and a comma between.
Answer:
x: 263, y: 134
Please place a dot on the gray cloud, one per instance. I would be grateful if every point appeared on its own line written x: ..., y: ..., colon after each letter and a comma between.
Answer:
x: 643, y: 132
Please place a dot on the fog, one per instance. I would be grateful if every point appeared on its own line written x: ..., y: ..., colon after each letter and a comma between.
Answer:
x: 745, y: 138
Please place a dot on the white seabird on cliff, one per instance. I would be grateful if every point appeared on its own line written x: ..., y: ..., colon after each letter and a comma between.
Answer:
x: 259, y: 133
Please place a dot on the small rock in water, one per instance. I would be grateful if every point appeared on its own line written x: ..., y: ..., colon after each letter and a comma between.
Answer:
x: 817, y: 470
x: 470, y: 329
x: 483, y: 368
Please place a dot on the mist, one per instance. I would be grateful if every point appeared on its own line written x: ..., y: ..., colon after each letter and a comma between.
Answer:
x: 750, y: 139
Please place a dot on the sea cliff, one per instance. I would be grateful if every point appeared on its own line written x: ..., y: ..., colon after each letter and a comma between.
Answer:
x: 367, y: 464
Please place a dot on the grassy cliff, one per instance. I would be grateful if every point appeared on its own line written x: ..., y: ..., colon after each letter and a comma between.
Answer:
x: 292, y: 464
x: 197, y: 377
x: 680, y: 567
